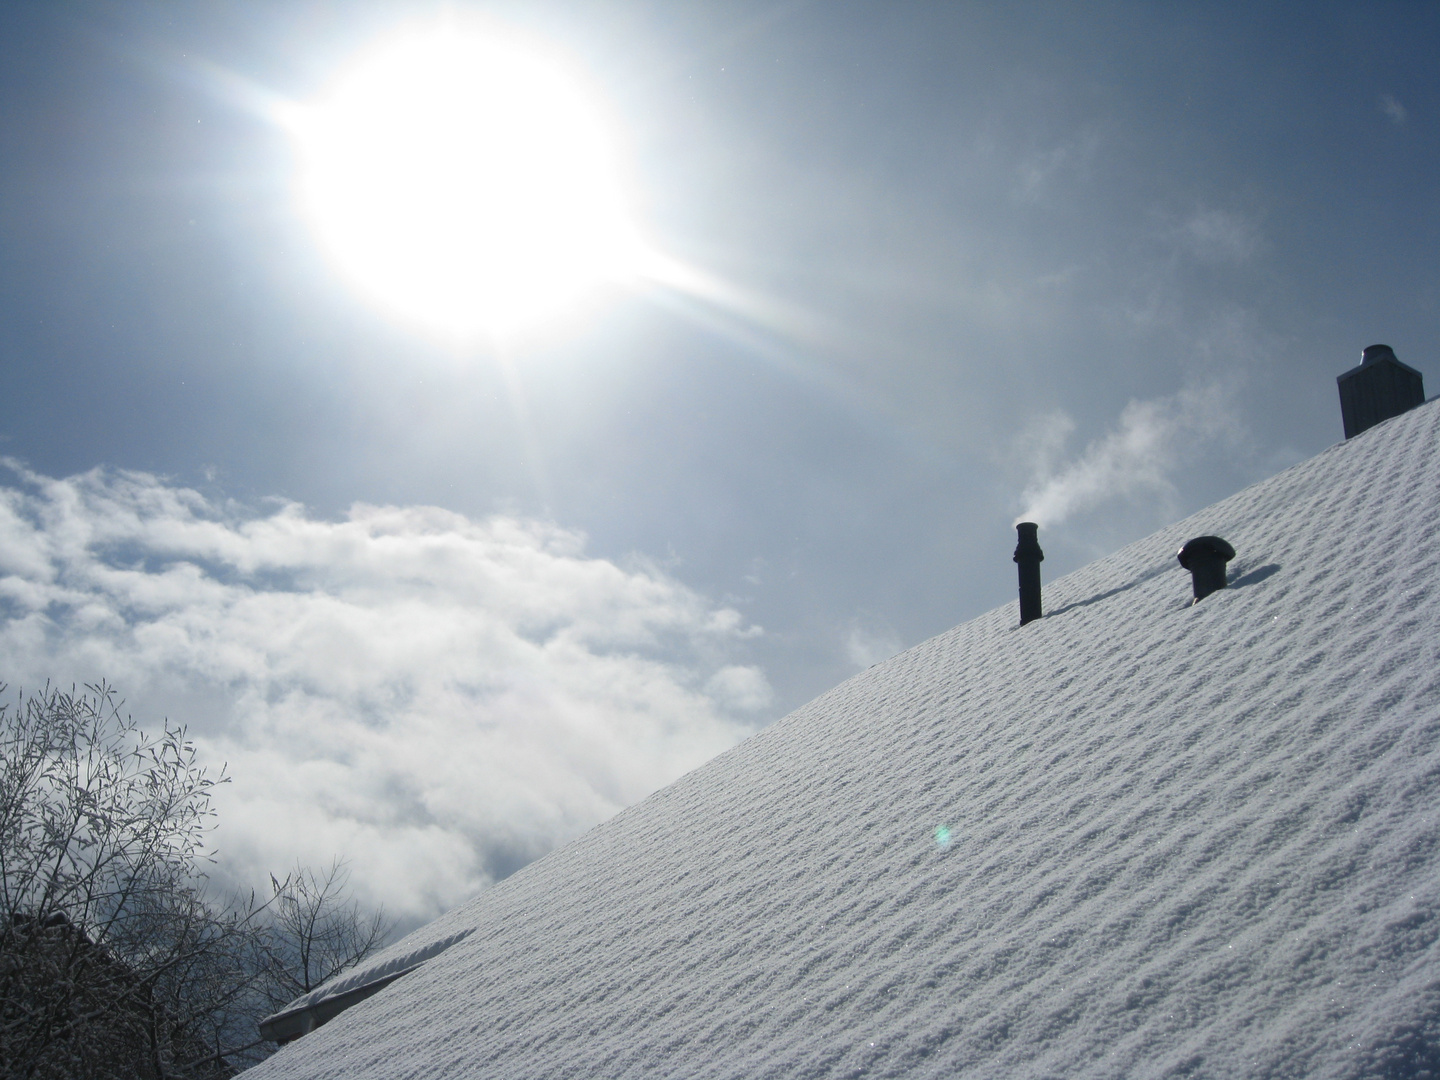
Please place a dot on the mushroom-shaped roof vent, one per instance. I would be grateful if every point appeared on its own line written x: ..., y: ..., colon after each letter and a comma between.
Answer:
x: 1205, y: 557
x: 1205, y: 549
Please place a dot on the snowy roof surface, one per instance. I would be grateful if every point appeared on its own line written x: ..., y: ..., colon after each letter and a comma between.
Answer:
x: 1182, y: 841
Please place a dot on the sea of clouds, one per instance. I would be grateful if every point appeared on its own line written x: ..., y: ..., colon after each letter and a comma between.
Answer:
x: 436, y: 699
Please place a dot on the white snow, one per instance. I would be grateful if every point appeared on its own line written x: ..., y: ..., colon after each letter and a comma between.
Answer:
x: 1182, y: 841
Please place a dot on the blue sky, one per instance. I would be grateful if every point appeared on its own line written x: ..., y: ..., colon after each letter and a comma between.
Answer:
x: 1096, y: 262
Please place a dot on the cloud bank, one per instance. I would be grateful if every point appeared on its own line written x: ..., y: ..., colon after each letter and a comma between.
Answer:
x: 438, y: 699
x: 1138, y: 457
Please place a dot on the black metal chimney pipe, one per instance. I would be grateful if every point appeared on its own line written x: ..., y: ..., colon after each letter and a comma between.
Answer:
x: 1205, y: 557
x: 1028, y: 557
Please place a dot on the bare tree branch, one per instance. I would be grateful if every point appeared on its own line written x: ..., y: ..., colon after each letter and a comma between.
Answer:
x: 115, y: 959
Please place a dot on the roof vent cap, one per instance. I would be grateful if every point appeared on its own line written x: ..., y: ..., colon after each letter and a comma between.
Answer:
x: 1205, y: 557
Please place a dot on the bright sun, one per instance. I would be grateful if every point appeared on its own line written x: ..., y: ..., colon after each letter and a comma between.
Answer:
x: 465, y: 182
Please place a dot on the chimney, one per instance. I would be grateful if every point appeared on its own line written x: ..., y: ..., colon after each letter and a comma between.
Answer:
x: 1381, y: 387
x: 1028, y: 557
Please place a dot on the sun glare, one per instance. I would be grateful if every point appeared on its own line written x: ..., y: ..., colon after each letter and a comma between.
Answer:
x: 466, y: 183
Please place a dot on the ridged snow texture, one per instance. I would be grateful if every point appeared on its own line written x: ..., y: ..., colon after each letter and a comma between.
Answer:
x: 1194, y: 841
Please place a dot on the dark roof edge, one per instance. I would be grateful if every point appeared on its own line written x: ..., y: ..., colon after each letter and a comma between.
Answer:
x: 292, y: 1023
x: 306, y: 1013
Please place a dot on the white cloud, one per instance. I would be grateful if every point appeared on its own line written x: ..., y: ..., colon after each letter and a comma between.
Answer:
x: 438, y: 699
x: 743, y: 688
x: 1137, y: 457
x: 1392, y: 108
x: 869, y: 642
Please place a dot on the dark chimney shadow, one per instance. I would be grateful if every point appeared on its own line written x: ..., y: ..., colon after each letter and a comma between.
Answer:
x: 1254, y: 577
x: 1108, y: 593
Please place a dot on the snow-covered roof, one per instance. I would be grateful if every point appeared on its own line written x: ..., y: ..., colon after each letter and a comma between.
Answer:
x: 1181, y: 841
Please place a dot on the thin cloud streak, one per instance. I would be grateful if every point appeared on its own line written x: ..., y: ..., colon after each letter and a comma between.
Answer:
x: 438, y: 699
x: 1219, y: 236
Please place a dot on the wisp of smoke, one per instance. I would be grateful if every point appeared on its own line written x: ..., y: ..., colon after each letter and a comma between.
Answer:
x: 1138, y: 456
